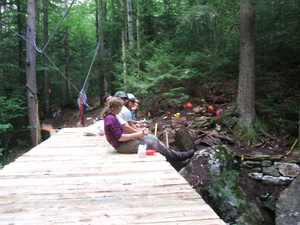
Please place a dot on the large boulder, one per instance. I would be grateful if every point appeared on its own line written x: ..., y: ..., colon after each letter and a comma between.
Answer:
x: 214, y: 174
x: 288, y: 205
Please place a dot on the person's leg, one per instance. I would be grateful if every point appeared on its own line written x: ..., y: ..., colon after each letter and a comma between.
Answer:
x: 151, y: 137
x: 171, y: 155
x: 131, y: 146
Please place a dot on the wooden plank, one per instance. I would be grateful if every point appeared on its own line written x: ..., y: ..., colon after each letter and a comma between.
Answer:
x: 76, y: 179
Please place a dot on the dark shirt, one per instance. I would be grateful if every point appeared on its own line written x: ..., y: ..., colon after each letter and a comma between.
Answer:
x: 113, y: 130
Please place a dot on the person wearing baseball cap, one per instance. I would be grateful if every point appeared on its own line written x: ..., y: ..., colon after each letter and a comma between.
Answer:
x: 131, y: 97
x: 124, y: 117
x: 121, y: 94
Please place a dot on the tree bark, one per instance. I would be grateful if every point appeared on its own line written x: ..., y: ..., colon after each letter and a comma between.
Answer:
x: 123, y: 44
x: 138, y: 43
x: 21, y: 54
x: 47, y: 109
x: 100, y: 16
x: 68, y: 66
x: 32, y: 101
x: 67, y: 62
x: 130, y: 23
x: 246, y: 88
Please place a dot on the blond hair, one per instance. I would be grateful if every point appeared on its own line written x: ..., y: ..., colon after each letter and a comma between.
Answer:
x: 113, y: 103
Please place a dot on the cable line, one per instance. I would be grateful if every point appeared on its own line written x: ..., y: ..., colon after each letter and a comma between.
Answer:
x: 40, y: 51
x: 21, y: 36
x: 61, y: 72
x: 43, y: 50
x: 58, y: 26
x: 94, y: 57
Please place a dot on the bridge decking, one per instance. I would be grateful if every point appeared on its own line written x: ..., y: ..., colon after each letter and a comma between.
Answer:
x: 76, y: 179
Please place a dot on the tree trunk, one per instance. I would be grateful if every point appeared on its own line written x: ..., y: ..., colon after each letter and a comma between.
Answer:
x: 101, y: 48
x: 100, y: 16
x: 67, y: 62
x: 130, y: 23
x: 123, y: 44
x: 47, y: 108
x: 32, y: 101
x: 246, y: 88
x: 138, y: 43
x: 68, y: 65
x: 21, y: 54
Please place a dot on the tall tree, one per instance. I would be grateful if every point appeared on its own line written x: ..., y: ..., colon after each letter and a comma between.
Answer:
x: 32, y: 101
x: 47, y: 108
x: 100, y: 16
x: 123, y: 43
x: 130, y: 23
x: 21, y: 25
x: 67, y: 58
x: 246, y: 88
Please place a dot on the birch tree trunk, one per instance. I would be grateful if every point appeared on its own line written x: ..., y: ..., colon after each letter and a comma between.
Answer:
x: 32, y: 101
x: 130, y: 23
x: 123, y: 43
x: 138, y: 43
x: 246, y: 88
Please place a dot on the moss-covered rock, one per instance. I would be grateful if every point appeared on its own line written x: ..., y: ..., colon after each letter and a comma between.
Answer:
x: 214, y: 173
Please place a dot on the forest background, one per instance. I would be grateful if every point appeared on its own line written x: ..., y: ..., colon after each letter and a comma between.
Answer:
x: 169, y: 51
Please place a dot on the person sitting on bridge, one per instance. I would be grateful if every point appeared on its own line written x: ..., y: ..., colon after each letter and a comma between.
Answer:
x: 105, y: 99
x: 132, y: 104
x: 124, y: 116
x: 128, y: 143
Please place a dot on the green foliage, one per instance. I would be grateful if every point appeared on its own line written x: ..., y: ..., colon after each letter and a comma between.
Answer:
x: 10, y: 109
x: 175, y: 95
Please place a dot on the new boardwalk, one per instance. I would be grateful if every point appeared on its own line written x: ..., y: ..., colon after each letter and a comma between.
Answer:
x: 76, y: 179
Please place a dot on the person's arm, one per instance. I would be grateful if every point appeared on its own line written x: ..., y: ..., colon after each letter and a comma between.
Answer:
x: 127, y: 137
x: 129, y: 129
x: 131, y: 123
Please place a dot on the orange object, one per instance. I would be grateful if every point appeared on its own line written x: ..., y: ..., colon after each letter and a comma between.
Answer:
x: 189, y: 105
x: 150, y: 152
x: 212, y: 108
x: 218, y: 113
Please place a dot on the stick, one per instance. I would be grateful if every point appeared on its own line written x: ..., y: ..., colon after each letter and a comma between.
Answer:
x: 155, y: 131
x: 167, y: 139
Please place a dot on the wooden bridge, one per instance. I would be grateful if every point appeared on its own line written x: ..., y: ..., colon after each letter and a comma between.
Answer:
x: 76, y: 179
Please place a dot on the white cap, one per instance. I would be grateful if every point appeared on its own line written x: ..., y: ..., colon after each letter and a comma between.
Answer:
x: 131, y: 97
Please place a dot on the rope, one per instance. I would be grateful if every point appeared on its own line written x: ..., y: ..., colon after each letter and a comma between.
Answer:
x: 21, y: 36
x: 58, y: 26
x: 94, y: 57
x: 61, y: 72
x: 42, y: 51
